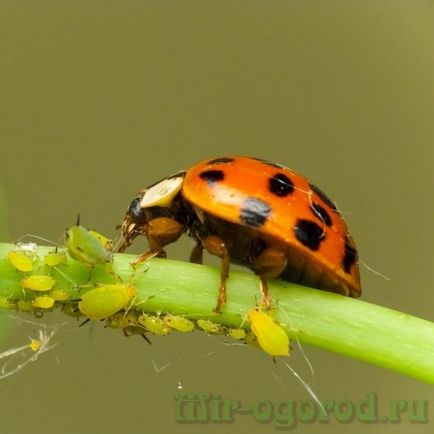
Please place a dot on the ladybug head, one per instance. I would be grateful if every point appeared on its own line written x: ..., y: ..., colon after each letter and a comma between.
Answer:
x: 147, y: 205
x: 134, y: 224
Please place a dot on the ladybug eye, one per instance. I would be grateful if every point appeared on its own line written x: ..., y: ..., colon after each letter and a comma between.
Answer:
x: 136, y: 211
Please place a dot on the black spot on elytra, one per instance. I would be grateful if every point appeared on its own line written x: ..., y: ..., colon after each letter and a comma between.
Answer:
x: 321, y: 213
x: 350, y: 256
x: 280, y: 185
x: 221, y: 160
x: 212, y: 176
x: 323, y: 196
x: 254, y: 212
x: 309, y: 234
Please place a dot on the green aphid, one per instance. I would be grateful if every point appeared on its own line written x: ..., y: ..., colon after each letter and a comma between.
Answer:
x: 211, y: 327
x: 154, y: 324
x: 20, y: 261
x: 38, y: 282
x: 43, y: 302
x: 179, y: 323
x: 237, y: 334
x: 87, y: 247
x: 54, y: 259
x: 105, y: 300
x: 121, y: 320
x: 25, y: 306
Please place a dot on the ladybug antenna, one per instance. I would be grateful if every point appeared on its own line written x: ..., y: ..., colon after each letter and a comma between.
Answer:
x: 77, y: 223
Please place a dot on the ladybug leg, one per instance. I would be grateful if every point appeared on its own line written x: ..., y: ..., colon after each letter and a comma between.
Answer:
x: 270, y: 263
x: 148, y: 254
x: 196, y: 255
x: 216, y: 246
x: 160, y: 232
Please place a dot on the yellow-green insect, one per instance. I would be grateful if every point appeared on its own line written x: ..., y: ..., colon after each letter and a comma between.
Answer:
x: 54, y: 259
x: 87, y: 247
x: 211, y: 327
x: 20, y: 261
x: 270, y: 334
x: 35, y: 345
x: 105, y: 300
x: 25, y: 306
x: 154, y: 324
x: 179, y: 323
x: 38, y: 282
x: 43, y: 302
x: 237, y: 334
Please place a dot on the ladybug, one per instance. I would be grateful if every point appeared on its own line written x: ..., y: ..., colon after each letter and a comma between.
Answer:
x: 251, y: 212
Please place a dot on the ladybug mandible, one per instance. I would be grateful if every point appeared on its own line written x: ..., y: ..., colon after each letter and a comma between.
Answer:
x: 251, y: 212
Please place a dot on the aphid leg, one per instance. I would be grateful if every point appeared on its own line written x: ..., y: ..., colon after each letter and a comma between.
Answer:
x: 84, y: 322
x: 89, y: 277
x: 216, y: 246
x: 110, y: 271
x: 143, y: 335
x: 196, y: 256
x: 160, y: 232
x: 270, y: 263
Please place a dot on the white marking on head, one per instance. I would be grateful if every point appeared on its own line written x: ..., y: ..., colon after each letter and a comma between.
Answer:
x: 162, y: 194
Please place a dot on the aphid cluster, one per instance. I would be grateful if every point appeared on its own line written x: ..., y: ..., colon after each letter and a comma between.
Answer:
x: 44, y: 286
x: 37, y: 278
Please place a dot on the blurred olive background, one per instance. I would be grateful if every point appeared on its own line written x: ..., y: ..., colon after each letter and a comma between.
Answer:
x: 100, y: 98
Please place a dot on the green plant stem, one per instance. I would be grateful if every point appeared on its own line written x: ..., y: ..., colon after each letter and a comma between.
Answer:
x: 361, y: 330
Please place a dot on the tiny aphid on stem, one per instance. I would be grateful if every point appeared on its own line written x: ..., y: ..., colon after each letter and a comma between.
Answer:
x: 154, y: 324
x: 210, y: 327
x: 179, y: 323
x: 237, y: 334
